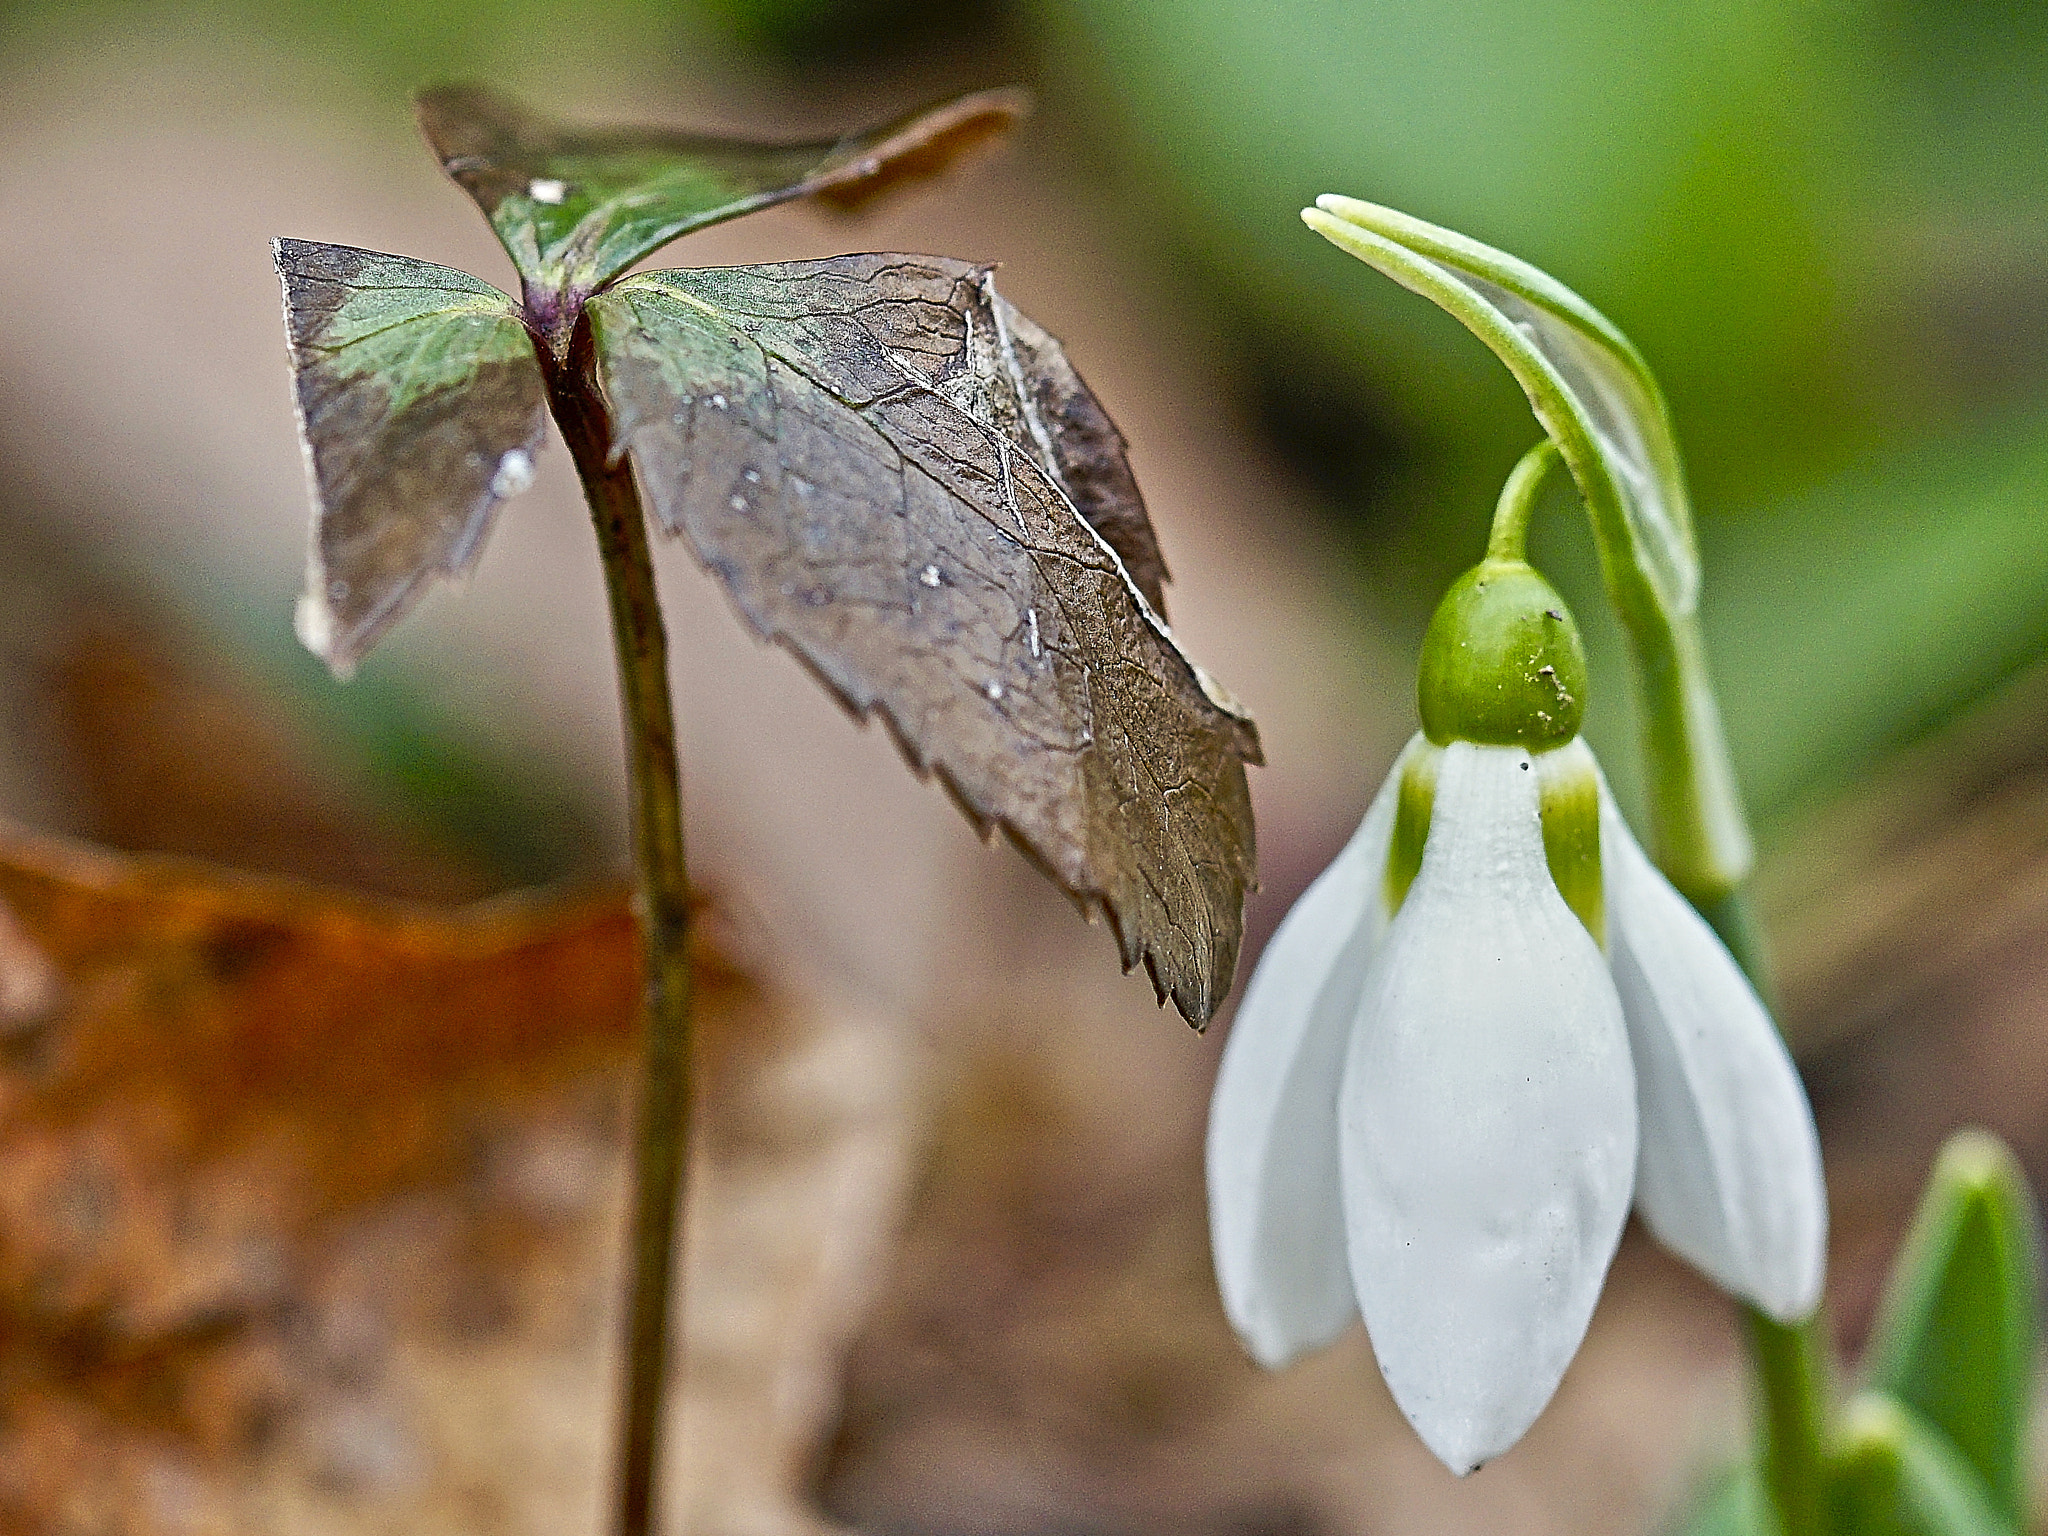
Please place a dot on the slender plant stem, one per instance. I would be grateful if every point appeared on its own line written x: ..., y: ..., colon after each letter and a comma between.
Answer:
x: 1791, y: 1371
x: 1508, y: 539
x: 1791, y: 1362
x: 661, y: 1138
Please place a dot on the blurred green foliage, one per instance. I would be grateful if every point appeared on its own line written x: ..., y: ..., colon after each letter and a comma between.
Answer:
x: 1956, y: 1340
x: 1826, y: 227
x: 1825, y: 224
x: 1935, y: 1444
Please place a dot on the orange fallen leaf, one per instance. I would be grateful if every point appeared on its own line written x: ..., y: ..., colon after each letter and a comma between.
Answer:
x: 262, y: 1142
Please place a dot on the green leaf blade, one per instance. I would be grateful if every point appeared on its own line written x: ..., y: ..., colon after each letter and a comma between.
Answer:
x: 1894, y: 1474
x: 420, y: 405
x: 574, y: 208
x: 855, y: 448
x: 1957, y: 1330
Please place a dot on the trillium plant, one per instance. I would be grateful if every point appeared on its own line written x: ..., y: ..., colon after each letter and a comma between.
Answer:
x: 1494, y: 1024
x: 893, y: 473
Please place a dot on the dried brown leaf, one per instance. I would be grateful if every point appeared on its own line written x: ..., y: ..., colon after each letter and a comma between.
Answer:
x: 308, y: 1197
x: 420, y: 409
x: 882, y: 460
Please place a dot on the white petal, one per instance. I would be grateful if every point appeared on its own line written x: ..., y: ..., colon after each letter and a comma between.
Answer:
x: 1275, y: 1220
x: 1488, y: 1122
x: 1730, y: 1176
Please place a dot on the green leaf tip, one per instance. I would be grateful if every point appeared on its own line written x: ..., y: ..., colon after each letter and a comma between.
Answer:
x: 1597, y: 399
x: 1957, y: 1328
x: 575, y: 207
x: 1893, y: 1474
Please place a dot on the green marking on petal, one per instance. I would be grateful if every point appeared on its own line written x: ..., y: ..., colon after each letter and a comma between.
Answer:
x: 1569, y: 801
x: 1411, y: 822
x: 1570, y: 788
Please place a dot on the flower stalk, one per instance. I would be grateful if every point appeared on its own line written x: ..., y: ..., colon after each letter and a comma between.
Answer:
x: 661, y: 904
x: 1791, y: 1361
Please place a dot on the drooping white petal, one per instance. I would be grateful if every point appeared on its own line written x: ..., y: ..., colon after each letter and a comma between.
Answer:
x: 1276, y: 1222
x: 1487, y: 1122
x: 1730, y: 1175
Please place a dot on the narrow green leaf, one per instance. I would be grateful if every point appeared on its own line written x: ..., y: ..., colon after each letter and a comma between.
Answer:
x: 1896, y: 1475
x: 1731, y: 1504
x: 575, y: 207
x: 1955, y: 1339
x: 420, y: 408
x: 882, y: 460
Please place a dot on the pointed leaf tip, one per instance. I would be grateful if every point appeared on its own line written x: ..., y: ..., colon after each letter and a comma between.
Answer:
x: 1956, y: 1332
x: 1894, y: 1474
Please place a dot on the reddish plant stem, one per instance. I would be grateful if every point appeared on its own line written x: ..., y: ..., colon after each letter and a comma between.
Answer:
x: 661, y: 1136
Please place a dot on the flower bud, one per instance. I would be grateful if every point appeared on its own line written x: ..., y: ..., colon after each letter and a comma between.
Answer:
x: 1501, y: 664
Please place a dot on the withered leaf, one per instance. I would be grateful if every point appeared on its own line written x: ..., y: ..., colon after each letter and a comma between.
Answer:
x: 575, y: 207
x: 861, y: 450
x: 420, y: 407
x: 281, y: 1164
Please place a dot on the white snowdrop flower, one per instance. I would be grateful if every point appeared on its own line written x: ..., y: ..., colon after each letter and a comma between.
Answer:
x: 1487, y: 1027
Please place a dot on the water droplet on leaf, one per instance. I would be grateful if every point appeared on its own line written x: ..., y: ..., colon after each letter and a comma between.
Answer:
x: 515, y: 473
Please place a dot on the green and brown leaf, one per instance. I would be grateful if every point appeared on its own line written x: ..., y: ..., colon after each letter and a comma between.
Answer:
x: 420, y: 406
x: 574, y: 208
x: 902, y: 480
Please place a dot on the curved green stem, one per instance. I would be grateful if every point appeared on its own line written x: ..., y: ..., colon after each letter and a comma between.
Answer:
x: 1596, y: 397
x: 661, y: 900
x: 1508, y: 539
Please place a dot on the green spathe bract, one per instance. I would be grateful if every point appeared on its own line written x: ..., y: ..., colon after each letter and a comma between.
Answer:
x: 1596, y: 397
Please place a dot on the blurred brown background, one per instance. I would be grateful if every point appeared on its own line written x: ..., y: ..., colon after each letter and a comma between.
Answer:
x: 947, y: 1262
